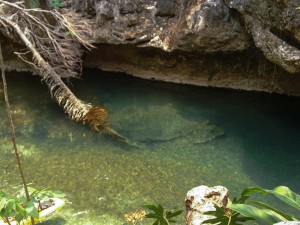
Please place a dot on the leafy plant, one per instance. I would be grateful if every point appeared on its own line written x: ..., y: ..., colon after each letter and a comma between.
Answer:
x: 56, y: 4
x: 239, y: 211
x: 17, y: 206
x: 225, y: 216
x: 162, y: 216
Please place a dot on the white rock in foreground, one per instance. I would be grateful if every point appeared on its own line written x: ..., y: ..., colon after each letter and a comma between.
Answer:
x: 288, y: 223
x: 202, y: 199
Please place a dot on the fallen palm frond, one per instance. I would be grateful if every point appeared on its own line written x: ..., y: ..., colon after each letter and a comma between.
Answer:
x: 54, y: 43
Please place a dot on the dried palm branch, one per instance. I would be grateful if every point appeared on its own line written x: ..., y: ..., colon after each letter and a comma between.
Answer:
x: 54, y: 44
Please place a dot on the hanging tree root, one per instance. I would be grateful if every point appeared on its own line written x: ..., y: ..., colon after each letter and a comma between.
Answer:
x: 54, y: 45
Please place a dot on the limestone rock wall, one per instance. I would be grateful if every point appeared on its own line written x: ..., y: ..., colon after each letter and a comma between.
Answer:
x: 188, y: 25
x: 243, y: 71
x: 240, y: 44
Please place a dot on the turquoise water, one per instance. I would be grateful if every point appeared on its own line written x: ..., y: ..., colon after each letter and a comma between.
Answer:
x: 186, y: 137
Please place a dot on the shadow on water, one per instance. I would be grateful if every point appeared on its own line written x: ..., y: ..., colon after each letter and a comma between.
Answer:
x: 188, y: 136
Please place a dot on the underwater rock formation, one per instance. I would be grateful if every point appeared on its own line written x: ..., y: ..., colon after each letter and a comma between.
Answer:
x: 202, y: 199
x: 162, y: 124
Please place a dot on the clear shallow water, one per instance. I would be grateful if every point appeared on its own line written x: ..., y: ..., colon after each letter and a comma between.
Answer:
x: 250, y: 140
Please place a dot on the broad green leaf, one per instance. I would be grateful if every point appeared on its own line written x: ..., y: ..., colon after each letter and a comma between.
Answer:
x: 2, y: 203
x: 264, y: 205
x: 253, y: 212
x: 253, y: 190
x: 20, y: 209
x: 31, y: 210
x: 287, y: 196
x: 22, y: 199
x: 2, y: 194
x: 281, y: 192
x: 10, y: 207
x: 19, y: 217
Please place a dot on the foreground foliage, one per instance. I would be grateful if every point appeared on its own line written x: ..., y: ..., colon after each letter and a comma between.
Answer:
x: 242, y: 209
x: 162, y: 216
x: 17, y: 206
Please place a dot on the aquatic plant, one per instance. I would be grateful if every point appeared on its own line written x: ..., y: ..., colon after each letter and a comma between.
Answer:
x: 241, y: 210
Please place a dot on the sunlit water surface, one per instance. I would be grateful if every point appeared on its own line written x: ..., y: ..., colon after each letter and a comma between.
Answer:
x: 185, y: 137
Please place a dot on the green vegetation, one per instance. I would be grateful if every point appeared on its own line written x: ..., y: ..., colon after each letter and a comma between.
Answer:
x: 27, y: 204
x: 241, y: 211
x: 161, y: 216
x: 56, y: 4
x: 17, y: 207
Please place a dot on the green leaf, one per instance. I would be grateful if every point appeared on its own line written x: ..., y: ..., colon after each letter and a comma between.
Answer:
x: 253, y: 212
x: 10, y: 207
x: 253, y: 190
x: 2, y: 194
x: 152, y: 215
x: 287, y: 196
x: 173, y: 214
x: 264, y: 205
x: 281, y: 192
x: 19, y: 217
x: 56, y: 4
x: 20, y: 209
x: 31, y: 210
x: 156, y: 222
x: 240, y: 200
x: 151, y: 207
x: 160, y: 210
x: 2, y: 203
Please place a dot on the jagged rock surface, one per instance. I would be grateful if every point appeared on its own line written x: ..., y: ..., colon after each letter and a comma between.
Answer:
x: 210, y: 42
x: 197, y: 25
x: 275, y: 28
x: 239, y: 44
x: 206, y: 26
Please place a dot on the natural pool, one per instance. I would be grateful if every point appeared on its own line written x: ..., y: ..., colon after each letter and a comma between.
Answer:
x: 186, y: 137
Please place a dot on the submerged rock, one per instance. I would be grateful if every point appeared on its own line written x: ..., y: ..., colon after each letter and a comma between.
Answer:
x: 161, y: 123
x: 202, y: 199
